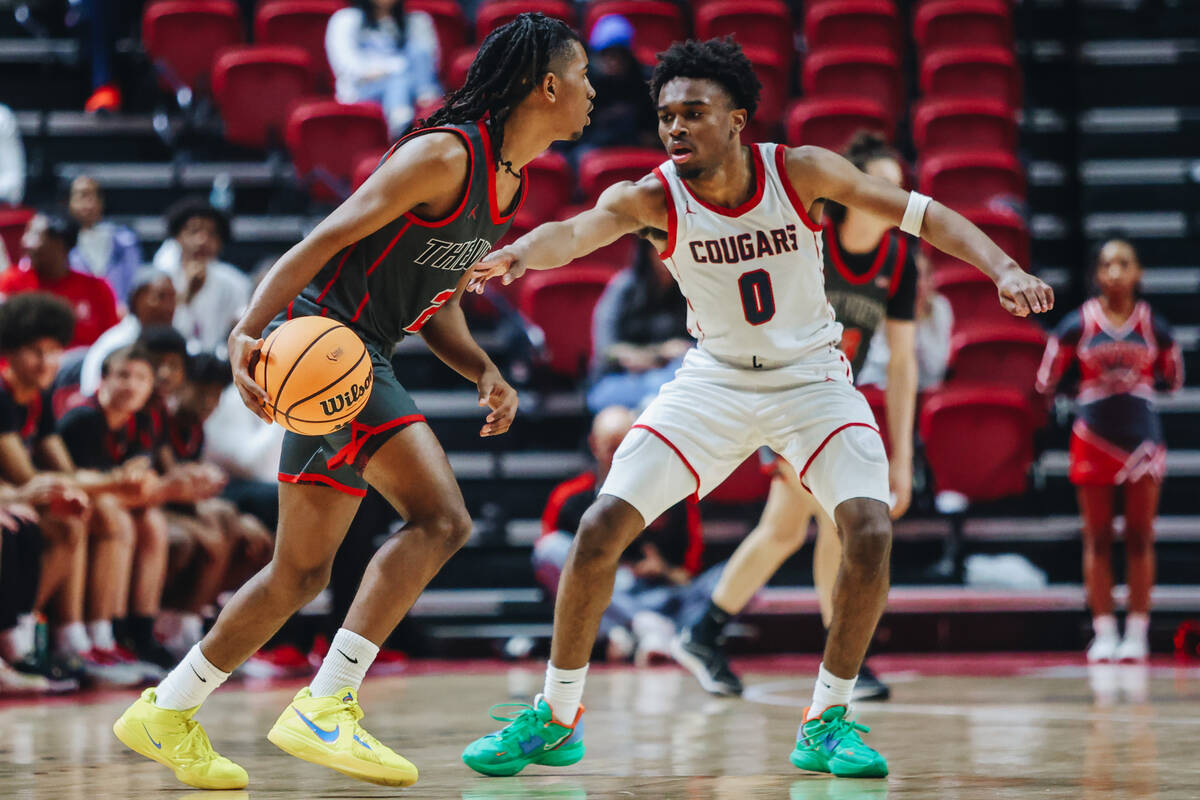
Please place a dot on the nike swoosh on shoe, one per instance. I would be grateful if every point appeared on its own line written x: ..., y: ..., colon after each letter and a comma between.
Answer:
x: 322, y: 734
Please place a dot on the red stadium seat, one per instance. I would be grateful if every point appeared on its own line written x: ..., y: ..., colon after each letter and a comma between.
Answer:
x: 656, y: 23
x: 971, y: 179
x: 183, y: 37
x: 1005, y: 353
x: 495, y: 13
x: 972, y: 72
x: 749, y: 483
x: 831, y: 121
x: 996, y: 423
x: 450, y: 24
x: 364, y: 166
x: 327, y: 139
x: 13, y: 222
x: 867, y: 72
x: 878, y: 402
x: 460, y: 65
x: 963, y: 23
x: 600, y: 168
x: 550, y: 184
x: 945, y: 124
x: 774, y: 73
x: 300, y: 23
x: 764, y: 23
x: 972, y: 295
x: 853, y: 23
x: 560, y: 302
x: 255, y: 88
x: 1004, y: 227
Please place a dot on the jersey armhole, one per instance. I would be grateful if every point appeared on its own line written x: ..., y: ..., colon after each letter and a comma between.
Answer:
x: 672, y: 218
x: 412, y: 216
x: 790, y: 191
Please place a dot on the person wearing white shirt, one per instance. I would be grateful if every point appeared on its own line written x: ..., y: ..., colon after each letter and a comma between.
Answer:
x: 210, y: 294
x: 12, y: 160
x: 104, y: 249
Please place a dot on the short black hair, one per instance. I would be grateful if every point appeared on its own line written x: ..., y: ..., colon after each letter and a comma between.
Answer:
x: 162, y: 339
x: 718, y: 60
x: 191, y: 207
x: 61, y: 227
x: 29, y: 316
x: 133, y: 352
x: 207, y: 369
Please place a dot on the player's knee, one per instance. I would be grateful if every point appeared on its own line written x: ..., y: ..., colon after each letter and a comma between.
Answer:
x: 300, y: 582
x: 113, y: 522
x: 599, y: 539
x: 866, y: 534
x: 1139, y: 539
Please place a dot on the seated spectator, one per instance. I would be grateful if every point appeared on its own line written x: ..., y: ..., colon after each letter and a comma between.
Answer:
x: 12, y: 160
x: 210, y: 294
x: 639, y: 333
x: 621, y: 117
x: 46, y: 267
x: 380, y: 54
x: 20, y: 569
x: 151, y: 303
x: 104, y: 249
x: 656, y: 586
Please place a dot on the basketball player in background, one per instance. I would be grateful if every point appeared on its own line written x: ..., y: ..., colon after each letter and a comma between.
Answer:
x: 392, y: 260
x: 735, y: 225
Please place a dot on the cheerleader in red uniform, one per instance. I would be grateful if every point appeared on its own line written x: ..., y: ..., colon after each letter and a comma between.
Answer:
x: 1124, y: 352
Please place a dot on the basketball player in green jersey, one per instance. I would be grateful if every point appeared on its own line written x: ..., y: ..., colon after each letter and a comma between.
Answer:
x: 392, y: 260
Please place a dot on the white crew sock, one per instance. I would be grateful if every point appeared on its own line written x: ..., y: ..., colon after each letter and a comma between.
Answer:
x: 346, y: 664
x: 564, y: 691
x: 72, y: 638
x: 1105, y: 626
x: 830, y: 690
x: 17, y: 642
x: 101, y: 634
x: 190, y: 683
x: 1137, y: 626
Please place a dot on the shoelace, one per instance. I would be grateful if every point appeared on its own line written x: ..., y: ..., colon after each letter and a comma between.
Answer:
x: 842, y: 728
x: 526, y: 715
x: 196, y: 741
x: 362, y: 733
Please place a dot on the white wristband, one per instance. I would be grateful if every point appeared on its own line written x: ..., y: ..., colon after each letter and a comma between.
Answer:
x: 914, y: 214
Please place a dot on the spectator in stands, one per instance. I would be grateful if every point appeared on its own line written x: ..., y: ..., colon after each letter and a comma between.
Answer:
x: 935, y: 322
x: 381, y: 54
x: 104, y: 249
x: 657, y: 585
x: 12, y: 160
x: 621, y: 116
x: 20, y: 569
x: 210, y: 294
x: 151, y: 303
x: 639, y: 333
x: 48, y: 242
x: 34, y: 328
x: 1123, y: 352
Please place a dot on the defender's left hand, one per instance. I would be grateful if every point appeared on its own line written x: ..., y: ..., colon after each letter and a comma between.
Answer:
x: 495, y: 393
x: 1022, y: 294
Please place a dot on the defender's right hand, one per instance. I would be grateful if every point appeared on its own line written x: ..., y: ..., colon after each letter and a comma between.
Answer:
x: 502, y: 264
x: 242, y: 349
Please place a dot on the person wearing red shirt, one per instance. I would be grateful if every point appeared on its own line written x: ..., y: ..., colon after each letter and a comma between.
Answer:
x: 46, y: 267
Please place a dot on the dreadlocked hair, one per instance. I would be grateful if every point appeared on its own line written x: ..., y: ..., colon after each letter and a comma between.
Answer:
x: 718, y: 60
x: 510, y: 63
x: 864, y: 147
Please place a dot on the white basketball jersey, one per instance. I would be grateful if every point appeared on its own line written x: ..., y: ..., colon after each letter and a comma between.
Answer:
x: 753, y: 276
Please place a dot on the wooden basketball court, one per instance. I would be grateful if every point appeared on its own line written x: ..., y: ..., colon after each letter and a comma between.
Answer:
x: 957, y: 728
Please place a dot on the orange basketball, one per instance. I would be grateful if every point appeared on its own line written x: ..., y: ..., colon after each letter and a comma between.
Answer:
x: 316, y: 373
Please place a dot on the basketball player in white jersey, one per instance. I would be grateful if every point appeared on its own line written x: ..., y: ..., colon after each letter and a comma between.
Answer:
x: 734, y: 223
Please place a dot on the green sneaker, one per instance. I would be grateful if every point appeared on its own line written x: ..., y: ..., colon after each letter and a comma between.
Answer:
x: 533, y: 736
x: 830, y: 743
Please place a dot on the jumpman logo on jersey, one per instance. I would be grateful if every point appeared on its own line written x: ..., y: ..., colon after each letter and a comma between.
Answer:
x: 471, y: 213
x: 687, y: 208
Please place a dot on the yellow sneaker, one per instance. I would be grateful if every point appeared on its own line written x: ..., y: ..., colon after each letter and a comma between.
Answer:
x: 325, y: 731
x: 175, y: 740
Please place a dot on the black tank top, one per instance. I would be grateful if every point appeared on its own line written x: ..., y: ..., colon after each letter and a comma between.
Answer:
x: 390, y: 283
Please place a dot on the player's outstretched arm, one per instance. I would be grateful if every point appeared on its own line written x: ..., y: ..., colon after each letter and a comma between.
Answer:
x: 818, y: 173
x: 622, y: 208
x: 424, y: 171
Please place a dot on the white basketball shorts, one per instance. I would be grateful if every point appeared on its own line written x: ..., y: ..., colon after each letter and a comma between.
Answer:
x: 712, y: 416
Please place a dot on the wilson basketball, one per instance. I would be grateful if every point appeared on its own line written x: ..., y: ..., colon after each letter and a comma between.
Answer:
x: 316, y: 373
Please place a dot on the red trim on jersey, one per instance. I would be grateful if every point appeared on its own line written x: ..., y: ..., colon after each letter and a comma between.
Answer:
x: 437, y: 223
x: 693, y: 557
x: 821, y: 446
x: 387, y: 249
x: 835, y: 253
x: 760, y: 178
x: 672, y: 219
x: 289, y: 316
x: 682, y: 458
x: 493, y: 199
x: 349, y: 453
x: 899, y: 266
x: 361, y: 305
x: 337, y: 272
x: 316, y: 477
x: 558, y: 498
x: 790, y: 191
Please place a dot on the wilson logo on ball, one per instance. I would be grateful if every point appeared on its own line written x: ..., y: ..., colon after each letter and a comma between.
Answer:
x: 335, y: 404
x: 334, y: 354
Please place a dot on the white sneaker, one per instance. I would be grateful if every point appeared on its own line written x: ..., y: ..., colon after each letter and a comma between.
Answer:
x: 653, y: 633
x: 1102, y: 649
x: 14, y: 682
x: 1132, y: 648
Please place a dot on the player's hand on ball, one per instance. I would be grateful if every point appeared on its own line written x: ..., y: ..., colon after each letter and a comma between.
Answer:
x: 495, y: 393
x: 502, y: 263
x: 242, y: 349
x: 1022, y: 294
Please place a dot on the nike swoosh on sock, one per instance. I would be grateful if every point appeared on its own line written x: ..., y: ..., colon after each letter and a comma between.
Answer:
x: 348, y: 658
